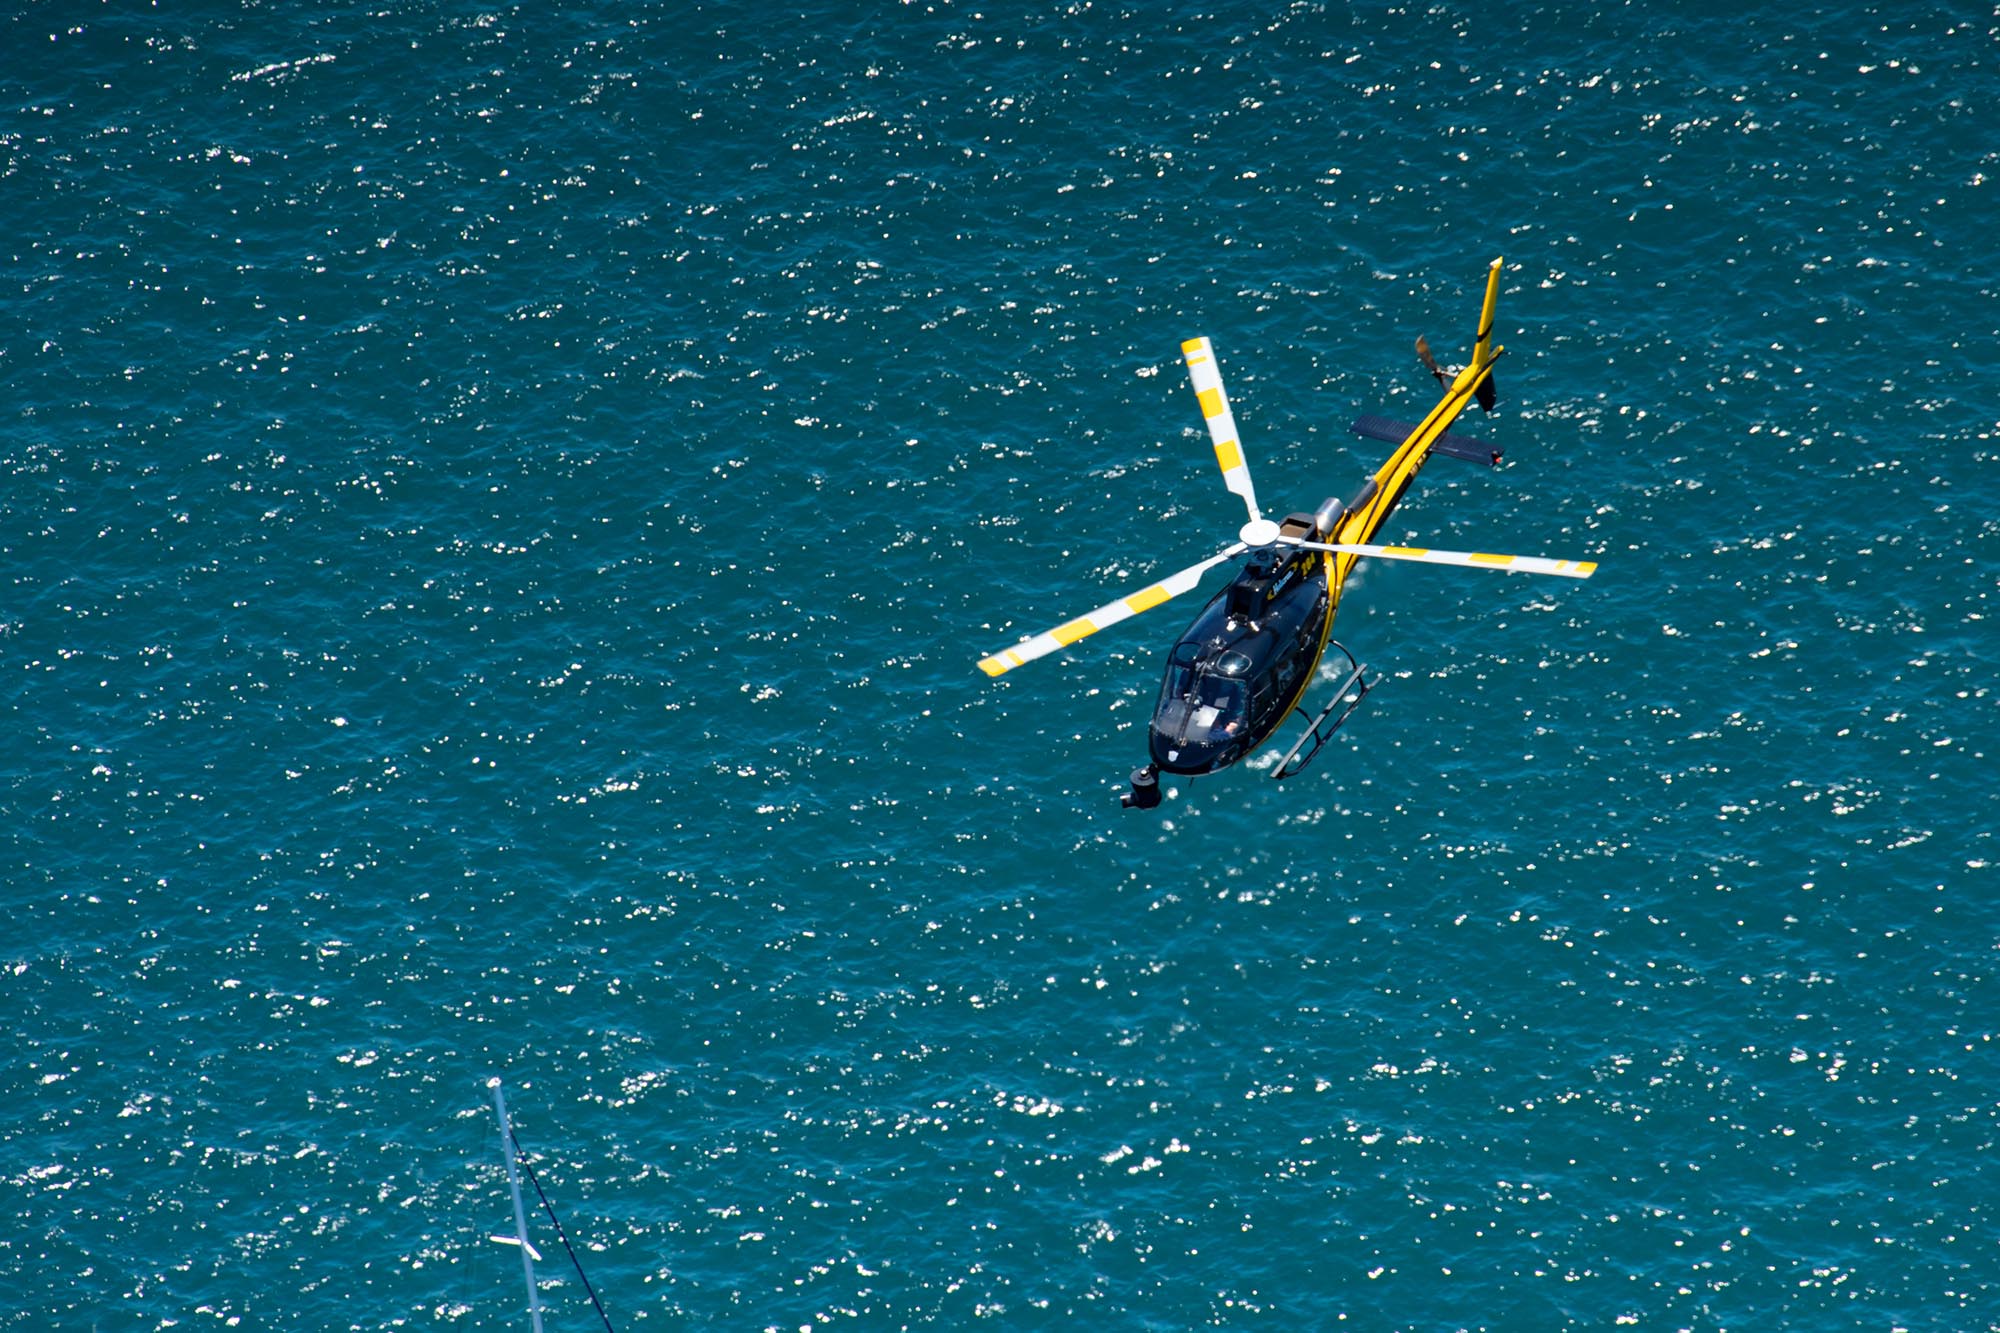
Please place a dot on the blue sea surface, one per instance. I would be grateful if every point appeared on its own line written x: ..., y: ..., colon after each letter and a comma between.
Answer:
x: 502, y: 505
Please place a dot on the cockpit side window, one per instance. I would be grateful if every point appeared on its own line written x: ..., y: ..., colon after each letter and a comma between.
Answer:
x: 1180, y: 671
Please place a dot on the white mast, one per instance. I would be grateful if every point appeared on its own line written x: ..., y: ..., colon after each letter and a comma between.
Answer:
x: 520, y: 1236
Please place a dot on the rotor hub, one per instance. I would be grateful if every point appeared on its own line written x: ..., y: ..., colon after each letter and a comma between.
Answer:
x: 1258, y: 532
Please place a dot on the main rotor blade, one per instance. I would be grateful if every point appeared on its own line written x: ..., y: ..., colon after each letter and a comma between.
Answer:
x: 1041, y: 645
x: 1207, y: 379
x: 1518, y: 564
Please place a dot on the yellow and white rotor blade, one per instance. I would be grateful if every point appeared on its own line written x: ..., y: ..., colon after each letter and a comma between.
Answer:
x: 1041, y: 645
x: 1517, y: 564
x: 1207, y: 378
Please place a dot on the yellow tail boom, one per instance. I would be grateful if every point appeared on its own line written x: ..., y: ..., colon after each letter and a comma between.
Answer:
x: 1395, y: 474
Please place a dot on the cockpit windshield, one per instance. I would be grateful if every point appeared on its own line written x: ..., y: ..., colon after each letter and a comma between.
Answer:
x: 1223, y: 692
x: 1216, y: 703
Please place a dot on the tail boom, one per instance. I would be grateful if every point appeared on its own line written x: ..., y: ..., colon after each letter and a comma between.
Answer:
x: 1394, y: 476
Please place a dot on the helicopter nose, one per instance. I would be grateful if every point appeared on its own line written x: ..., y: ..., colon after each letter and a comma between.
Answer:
x: 1191, y: 756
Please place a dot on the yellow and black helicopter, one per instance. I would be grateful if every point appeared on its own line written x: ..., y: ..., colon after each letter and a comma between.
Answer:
x: 1244, y: 665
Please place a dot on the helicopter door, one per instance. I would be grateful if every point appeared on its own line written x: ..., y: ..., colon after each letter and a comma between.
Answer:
x: 1297, y: 656
x: 1263, y: 698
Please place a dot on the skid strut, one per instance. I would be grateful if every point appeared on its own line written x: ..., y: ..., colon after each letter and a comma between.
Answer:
x: 1319, y: 730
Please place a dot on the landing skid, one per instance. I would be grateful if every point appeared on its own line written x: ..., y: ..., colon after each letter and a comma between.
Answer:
x: 1318, y: 730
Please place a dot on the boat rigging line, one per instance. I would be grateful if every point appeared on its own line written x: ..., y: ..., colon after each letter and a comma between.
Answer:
x: 510, y: 1144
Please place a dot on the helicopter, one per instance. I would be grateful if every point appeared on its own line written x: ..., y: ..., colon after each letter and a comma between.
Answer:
x: 1243, y: 666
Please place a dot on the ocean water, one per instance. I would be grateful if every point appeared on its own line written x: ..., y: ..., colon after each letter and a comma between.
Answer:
x: 502, y: 505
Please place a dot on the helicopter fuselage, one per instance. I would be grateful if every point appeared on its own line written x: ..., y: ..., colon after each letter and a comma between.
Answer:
x: 1244, y: 663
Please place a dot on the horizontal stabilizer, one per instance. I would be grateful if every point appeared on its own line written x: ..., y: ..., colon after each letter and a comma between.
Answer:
x: 1457, y: 446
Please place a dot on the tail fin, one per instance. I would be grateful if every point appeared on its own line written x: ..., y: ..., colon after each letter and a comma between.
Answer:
x: 1482, y: 348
